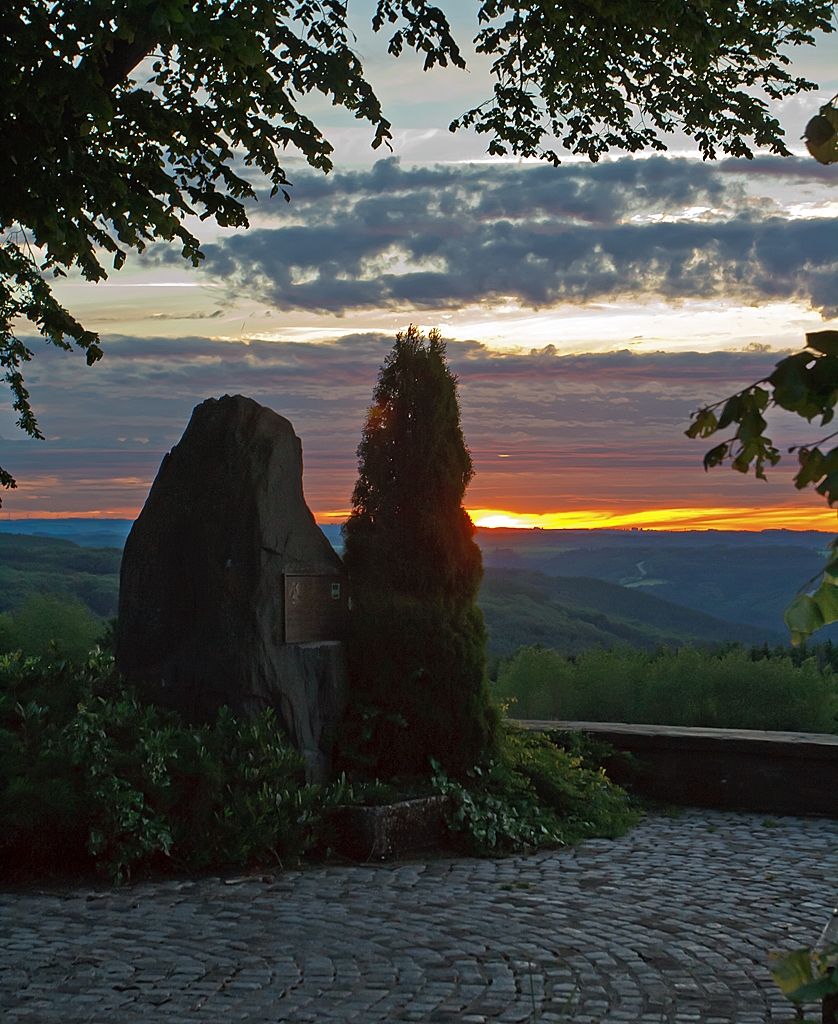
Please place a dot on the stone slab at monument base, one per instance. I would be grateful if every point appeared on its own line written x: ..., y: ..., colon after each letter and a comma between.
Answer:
x: 746, y: 769
x: 393, y: 830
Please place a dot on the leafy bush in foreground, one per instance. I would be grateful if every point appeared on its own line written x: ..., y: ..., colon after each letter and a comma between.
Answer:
x: 684, y: 687
x: 536, y: 793
x: 89, y: 776
x: 88, y: 773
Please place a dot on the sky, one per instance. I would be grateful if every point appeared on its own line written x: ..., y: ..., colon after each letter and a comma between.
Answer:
x: 588, y: 310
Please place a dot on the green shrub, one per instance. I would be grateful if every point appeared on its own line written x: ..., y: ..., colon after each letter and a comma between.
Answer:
x: 535, y: 793
x: 50, y: 626
x: 241, y: 795
x: 685, y: 687
x: 89, y: 774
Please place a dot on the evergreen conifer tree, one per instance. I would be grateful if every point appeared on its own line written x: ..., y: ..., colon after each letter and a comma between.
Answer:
x: 417, y: 638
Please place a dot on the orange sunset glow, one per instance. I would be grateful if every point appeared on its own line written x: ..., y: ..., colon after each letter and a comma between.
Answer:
x: 777, y: 517
x: 771, y: 517
x: 673, y: 519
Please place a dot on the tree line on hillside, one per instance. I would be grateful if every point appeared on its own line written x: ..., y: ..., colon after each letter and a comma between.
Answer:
x: 783, y: 688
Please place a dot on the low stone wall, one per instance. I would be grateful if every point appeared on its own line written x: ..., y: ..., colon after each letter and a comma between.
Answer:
x: 778, y: 772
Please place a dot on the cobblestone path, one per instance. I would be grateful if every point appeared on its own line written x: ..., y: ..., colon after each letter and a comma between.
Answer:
x: 673, y: 923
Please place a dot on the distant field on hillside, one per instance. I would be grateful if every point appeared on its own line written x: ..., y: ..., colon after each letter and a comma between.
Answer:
x: 572, y: 615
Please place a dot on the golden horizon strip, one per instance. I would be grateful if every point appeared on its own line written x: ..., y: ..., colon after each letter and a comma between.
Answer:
x: 670, y: 519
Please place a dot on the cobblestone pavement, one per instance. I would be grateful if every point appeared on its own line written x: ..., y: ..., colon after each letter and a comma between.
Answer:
x: 673, y: 922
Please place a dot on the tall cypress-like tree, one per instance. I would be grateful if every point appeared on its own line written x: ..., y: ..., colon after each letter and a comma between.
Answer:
x: 417, y: 638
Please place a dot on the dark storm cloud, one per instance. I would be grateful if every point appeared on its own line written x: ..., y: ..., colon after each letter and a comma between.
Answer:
x: 445, y: 237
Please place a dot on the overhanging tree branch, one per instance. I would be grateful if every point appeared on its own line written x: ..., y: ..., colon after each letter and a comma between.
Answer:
x: 805, y: 383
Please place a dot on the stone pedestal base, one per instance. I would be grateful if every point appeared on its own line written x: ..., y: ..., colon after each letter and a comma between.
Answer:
x: 379, y: 833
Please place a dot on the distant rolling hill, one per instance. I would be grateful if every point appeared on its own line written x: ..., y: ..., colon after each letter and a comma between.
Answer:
x: 48, y: 565
x: 571, y: 612
x: 574, y: 614
x: 744, y: 583
x: 89, y: 533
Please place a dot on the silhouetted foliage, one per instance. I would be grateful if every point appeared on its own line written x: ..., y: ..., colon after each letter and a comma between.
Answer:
x: 92, y: 777
x: 417, y: 645
x: 805, y: 383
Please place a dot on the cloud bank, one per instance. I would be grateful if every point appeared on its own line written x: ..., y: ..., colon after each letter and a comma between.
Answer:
x: 452, y: 236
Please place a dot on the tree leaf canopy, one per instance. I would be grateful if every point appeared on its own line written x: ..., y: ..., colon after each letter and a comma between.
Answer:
x: 805, y: 383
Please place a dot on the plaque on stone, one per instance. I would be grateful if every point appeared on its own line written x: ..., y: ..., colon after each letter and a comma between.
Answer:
x: 315, y: 608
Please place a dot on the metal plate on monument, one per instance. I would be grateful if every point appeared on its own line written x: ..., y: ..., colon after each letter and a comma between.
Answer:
x: 315, y: 608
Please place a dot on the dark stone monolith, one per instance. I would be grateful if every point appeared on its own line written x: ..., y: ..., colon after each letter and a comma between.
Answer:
x: 202, y: 618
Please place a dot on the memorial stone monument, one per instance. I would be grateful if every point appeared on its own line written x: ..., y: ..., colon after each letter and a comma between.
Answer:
x: 229, y: 592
